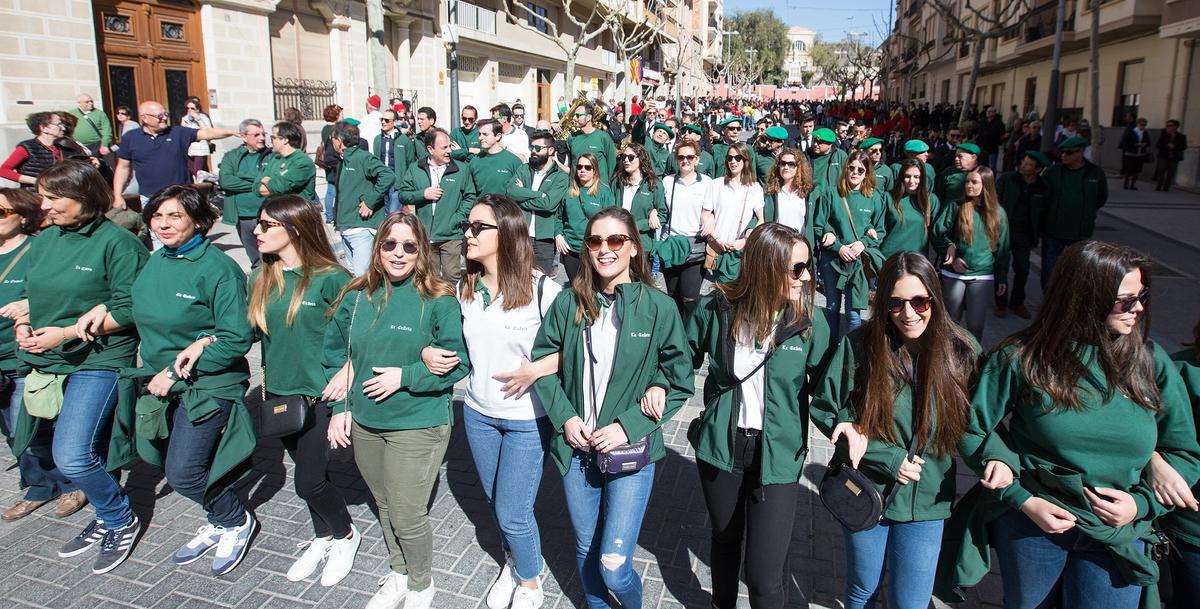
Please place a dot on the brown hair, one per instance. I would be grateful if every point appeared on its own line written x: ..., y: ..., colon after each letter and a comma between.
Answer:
x: 803, y: 182
x: 868, y: 184
x: 990, y: 211
x: 28, y: 206
x: 514, y: 256
x: 920, y: 198
x: 586, y: 285
x: 79, y: 181
x: 747, y: 176
x: 948, y: 360
x: 576, y: 187
x: 306, y: 230
x: 645, y: 166
x: 760, y: 291
x: 331, y: 113
x: 429, y: 285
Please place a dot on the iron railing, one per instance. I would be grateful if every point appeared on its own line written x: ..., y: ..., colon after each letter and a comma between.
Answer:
x: 309, y: 96
x: 1040, y: 22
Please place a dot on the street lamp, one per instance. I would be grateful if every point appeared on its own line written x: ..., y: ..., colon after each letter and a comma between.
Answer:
x: 725, y: 54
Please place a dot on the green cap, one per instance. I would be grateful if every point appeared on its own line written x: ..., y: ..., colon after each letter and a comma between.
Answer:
x: 664, y: 127
x: 729, y: 121
x: 968, y: 147
x: 1073, y: 142
x: 915, y: 147
x: 777, y: 133
x: 867, y: 143
x: 1041, y: 159
x: 824, y: 134
x: 350, y: 121
x: 693, y: 128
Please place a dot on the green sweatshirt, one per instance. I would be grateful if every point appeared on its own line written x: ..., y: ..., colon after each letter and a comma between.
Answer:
x: 789, y: 375
x: 362, y: 178
x: 705, y: 164
x: 650, y: 349
x: 71, y: 271
x: 980, y: 256
x: 492, y: 172
x: 885, y: 178
x: 542, y: 206
x: 466, y: 139
x: 660, y: 158
x: 293, y: 174
x: 392, y: 334
x: 645, y: 200
x: 573, y: 217
x: 868, y: 214
x: 442, y: 218
x: 12, y: 289
x: 288, y: 349
x: 930, y: 497
x: 240, y: 172
x: 598, y: 143
x: 1073, y: 197
x: 1108, y: 441
x: 950, y: 185
x: 906, y: 230
x: 827, y: 168
x: 1181, y: 523
x: 93, y: 129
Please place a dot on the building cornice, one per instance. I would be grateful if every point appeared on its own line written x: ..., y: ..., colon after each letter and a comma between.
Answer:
x: 255, y: 7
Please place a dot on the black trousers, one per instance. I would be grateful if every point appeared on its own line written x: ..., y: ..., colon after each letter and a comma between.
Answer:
x: 245, y: 229
x: 749, y: 522
x: 570, y: 262
x: 309, y: 450
x: 543, y: 255
x: 683, y: 284
x: 1020, y: 245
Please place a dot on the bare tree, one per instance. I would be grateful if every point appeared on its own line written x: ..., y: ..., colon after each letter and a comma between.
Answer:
x: 589, y: 29
x: 1097, y: 133
x: 913, y: 55
x: 979, y: 26
x: 630, y: 39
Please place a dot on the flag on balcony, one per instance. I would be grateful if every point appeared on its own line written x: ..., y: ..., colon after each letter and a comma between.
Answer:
x: 635, y: 70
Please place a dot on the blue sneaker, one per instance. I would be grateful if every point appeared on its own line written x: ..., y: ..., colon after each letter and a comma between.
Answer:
x: 231, y: 548
x: 116, y: 546
x: 206, y: 539
x: 82, y: 542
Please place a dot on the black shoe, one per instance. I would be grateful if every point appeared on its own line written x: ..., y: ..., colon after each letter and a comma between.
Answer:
x: 86, y: 538
x: 116, y: 546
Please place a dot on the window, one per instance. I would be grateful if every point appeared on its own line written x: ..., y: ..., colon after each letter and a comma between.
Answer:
x: 798, y: 46
x: 538, y: 20
x: 1129, y: 90
x: 1072, y: 95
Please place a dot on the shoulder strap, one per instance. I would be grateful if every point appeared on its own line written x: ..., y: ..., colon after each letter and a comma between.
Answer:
x: 850, y: 216
x: 894, y: 486
x: 12, y: 263
x: 89, y: 120
x: 541, y: 287
x: 349, y: 332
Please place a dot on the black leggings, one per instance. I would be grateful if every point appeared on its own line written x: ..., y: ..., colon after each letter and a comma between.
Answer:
x: 570, y: 262
x: 744, y: 514
x: 309, y: 450
x: 683, y: 284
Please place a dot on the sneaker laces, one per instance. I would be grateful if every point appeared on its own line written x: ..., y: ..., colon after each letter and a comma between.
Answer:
x: 94, y: 528
x: 229, y: 539
x: 111, y: 537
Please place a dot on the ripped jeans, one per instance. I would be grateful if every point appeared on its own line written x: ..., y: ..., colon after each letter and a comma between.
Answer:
x: 606, y: 511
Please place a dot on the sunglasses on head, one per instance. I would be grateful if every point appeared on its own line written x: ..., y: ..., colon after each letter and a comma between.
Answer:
x: 476, y: 227
x: 1125, y: 304
x: 409, y: 247
x: 266, y: 225
x: 614, y: 242
x: 798, y: 269
x: 920, y: 304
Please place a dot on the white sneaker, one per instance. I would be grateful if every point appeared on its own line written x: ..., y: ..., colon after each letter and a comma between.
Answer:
x: 528, y: 598
x: 500, y: 594
x: 392, y: 589
x: 315, y: 551
x: 341, y: 558
x: 420, y: 599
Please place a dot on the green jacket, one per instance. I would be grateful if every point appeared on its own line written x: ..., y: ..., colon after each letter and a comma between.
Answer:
x: 71, y: 271
x: 1019, y: 198
x: 93, y: 129
x: 771, y: 214
x: 442, y: 218
x: 466, y: 140
x: 930, y: 497
x: 598, y: 143
x: 362, y: 178
x: 719, y: 151
x: 650, y: 349
x: 906, y: 229
x: 575, y: 212
x: 705, y: 164
x: 390, y: 330
x: 763, y: 162
x: 1185, y: 524
x: 1072, y: 200
x: 492, y: 173
x: 980, y: 256
x: 292, y: 174
x: 950, y: 185
x: 661, y: 158
x: 868, y: 214
x: 404, y: 152
x: 240, y: 173
x: 827, y: 168
x: 542, y: 206
x: 645, y: 200
x: 12, y: 289
x: 287, y: 349
x: 885, y: 178
x: 794, y: 366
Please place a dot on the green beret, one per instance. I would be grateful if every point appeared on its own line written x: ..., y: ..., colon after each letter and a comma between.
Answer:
x: 729, y: 121
x: 824, y: 134
x: 777, y: 133
x: 1041, y: 159
x: 1072, y: 143
x: 915, y: 147
x: 693, y: 128
x: 663, y: 126
x: 350, y: 121
x: 867, y: 143
x: 968, y: 147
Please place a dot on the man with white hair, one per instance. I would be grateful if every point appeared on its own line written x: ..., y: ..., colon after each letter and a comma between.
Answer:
x: 92, y: 129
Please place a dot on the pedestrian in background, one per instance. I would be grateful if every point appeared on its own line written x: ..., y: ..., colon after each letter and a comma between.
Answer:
x: 1135, y: 150
x: 197, y: 152
x: 1171, y: 146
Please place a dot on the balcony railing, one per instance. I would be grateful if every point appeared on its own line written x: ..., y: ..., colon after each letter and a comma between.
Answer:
x: 476, y: 18
x: 1040, y: 22
x: 1011, y: 32
x: 309, y: 96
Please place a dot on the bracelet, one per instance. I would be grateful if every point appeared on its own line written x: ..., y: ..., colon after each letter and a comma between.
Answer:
x: 170, y: 373
x: 211, y: 338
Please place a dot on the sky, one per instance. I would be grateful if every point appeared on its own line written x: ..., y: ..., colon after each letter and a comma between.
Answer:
x: 831, y: 20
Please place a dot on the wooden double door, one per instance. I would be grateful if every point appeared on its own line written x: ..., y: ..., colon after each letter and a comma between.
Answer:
x: 150, y: 51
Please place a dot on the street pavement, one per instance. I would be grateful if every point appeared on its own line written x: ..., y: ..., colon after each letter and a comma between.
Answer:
x: 672, y: 554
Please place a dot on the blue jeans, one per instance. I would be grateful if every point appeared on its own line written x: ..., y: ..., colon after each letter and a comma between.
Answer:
x: 1185, y: 574
x: 606, y: 511
x: 330, y: 198
x: 39, y: 476
x: 508, y: 455
x: 189, y: 460
x: 1032, y: 563
x: 1052, y: 250
x: 835, y: 300
x: 910, y: 550
x: 358, y: 248
x: 89, y: 397
x: 391, y: 200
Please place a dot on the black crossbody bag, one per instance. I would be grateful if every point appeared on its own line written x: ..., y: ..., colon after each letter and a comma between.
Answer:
x: 628, y: 457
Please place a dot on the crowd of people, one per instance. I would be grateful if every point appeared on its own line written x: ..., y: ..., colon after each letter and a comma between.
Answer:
x: 432, y: 260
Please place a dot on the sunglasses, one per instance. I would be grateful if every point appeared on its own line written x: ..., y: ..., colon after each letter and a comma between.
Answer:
x: 476, y: 227
x: 582, y: 167
x: 614, y: 242
x: 1125, y: 304
x: 468, y: 119
x: 581, y: 115
x: 409, y: 247
x: 4, y: 212
x: 539, y: 148
x: 798, y: 269
x: 853, y: 169
x: 919, y: 304
x: 387, y: 120
x: 687, y: 158
x: 266, y: 225
x: 787, y: 163
x: 733, y: 157
x: 629, y: 158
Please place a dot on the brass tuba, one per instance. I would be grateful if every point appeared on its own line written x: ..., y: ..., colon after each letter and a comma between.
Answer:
x: 566, y: 123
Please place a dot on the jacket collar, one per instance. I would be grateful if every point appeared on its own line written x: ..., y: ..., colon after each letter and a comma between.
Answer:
x: 451, y: 167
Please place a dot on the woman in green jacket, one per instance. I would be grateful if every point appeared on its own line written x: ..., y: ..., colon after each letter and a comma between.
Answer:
x: 587, y: 195
x: 765, y: 349
x: 617, y: 336
x: 974, y: 234
x: 1088, y: 400
x: 191, y: 291
x: 913, y: 215
x: 395, y: 411
x: 788, y: 195
x: 900, y: 380
x: 637, y: 189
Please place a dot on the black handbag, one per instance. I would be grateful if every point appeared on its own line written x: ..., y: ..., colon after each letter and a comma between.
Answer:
x: 282, y: 415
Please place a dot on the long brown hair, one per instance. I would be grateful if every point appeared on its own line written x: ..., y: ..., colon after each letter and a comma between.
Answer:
x: 920, y: 198
x: 868, y: 184
x: 990, y: 211
x: 747, y: 177
x: 306, y: 230
x: 1082, y: 290
x: 429, y: 285
x: 760, y: 292
x: 645, y: 166
x: 803, y: 182
x: 592, y: 188
x: 586, y: 283
x: 947, y: 357
x: 514, y: 256
x: 28, y: 205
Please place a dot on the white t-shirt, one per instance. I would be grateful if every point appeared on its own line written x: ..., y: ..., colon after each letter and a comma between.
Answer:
x: 496, y: 341
x: 726, y: 200
x: 791, y: 209
x: 604, y: 350
x: 369, y: 127
x: 745, y: 358
x: 517, y: 142
x: 538, y: 178
x: 685, y: 201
